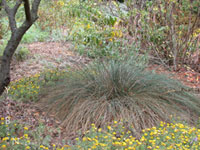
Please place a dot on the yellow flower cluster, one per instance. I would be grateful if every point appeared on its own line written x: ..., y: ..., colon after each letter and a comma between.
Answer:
x: 60, y: 3
x: 167, y: 136
x: 196, y: 33
x: 12, y: 141
x: 25, y: 88
x: 29, y: 88
x: 117, y: 33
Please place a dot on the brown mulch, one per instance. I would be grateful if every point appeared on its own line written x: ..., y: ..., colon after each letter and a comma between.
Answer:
x: 46, y: 55
x: 29, y: 115
x: 185, y: 75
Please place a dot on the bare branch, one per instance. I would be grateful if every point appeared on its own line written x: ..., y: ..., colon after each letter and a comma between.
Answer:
x: 15, y: 8
x: 27, y: 10
x: 34, y: 9
x: 11, y: 16
x: 11, y: 13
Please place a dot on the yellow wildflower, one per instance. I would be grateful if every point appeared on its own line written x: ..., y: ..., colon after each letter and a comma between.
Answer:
x: 25, y: 128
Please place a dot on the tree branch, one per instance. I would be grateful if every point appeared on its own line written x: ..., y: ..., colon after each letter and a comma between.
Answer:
x: 16, y: 36
x: 15, y: 8
x: 27, y: 10
x: 34, y: 9
x: 11, y: 14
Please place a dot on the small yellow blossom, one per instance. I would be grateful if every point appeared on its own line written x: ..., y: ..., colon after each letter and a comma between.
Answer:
x: 25, y: 128
x: 28, y: 147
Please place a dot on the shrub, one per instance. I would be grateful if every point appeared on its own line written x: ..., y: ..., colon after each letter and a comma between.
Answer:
x: 94, y: 29
x: 166, y: 28
x: 35, y: 35
x: 95, y: 41
x: 25, y: 89
x: 28, y: 88
x: 21, y: 53
x: 113, y: 90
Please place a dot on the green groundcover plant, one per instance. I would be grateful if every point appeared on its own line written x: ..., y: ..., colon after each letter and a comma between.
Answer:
x: 168, y: 136
x: 29, y: 88
x: 165, y: 136
x: 113, y: 90
x: 15, y: 136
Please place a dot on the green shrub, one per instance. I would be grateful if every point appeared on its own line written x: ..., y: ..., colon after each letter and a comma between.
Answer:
x: 94, y: 31
x: 94, y: 41
x: 21, y: 53
x: 28, y: 88
x: 25, y: 89
x: 34, y: 34
x: 166, y: 28
x: 113, y: 90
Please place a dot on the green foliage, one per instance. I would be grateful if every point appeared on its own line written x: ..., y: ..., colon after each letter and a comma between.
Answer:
x: 90, y: 11
x: 34, y: 34
x: 25, y: 88
x: 52, y: 15
x: 166, y: 28
x: 171, y: 136
x: 21, y: 53
x: 96, y: 41
x: 1, y: 31
x: 93, y: 30
x: 117, y: 90
x: 165, y: 136
x: 15, y: 136
x: 56, y: 35
x: 28, y: 89
x: 2, y: 46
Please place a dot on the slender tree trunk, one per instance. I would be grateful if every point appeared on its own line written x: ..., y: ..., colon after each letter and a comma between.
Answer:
x: 7, y: 57
x: 16, y: 36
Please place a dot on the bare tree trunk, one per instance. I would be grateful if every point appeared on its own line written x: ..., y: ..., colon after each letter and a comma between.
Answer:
x: 16, y: 36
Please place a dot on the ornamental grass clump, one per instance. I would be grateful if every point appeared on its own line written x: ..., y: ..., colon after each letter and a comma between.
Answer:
x: 114, y: 90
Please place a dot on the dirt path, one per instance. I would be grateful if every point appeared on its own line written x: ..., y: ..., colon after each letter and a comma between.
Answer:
x: 46, y: 55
